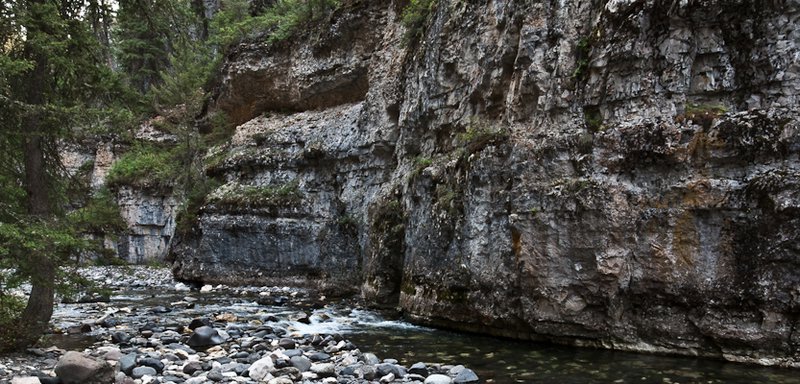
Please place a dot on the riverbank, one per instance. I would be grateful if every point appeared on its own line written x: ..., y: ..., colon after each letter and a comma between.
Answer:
x: 149, y: 329
x: 155, y: 315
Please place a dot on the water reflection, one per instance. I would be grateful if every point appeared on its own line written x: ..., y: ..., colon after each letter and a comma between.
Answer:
x: 509, y: 361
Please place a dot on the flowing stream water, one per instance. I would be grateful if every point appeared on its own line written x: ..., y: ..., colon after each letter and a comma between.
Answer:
x: 495, y: 360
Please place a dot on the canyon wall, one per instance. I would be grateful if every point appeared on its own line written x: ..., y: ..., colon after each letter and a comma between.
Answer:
x: 619, y: 174
x: 149, y: 215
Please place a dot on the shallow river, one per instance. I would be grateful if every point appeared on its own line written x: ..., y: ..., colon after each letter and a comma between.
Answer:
x: 495, y: 360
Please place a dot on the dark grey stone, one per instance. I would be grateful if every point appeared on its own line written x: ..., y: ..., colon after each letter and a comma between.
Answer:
x: 204, y: 336
x: 319, y: 356
x: 292, y: 352
x: 140, y: 372
x: 152, y: 363
x: 301, y: 362
x: 286, y: 343
x: 419, y: 369
x: 127, y: 363
x: 191, y: 367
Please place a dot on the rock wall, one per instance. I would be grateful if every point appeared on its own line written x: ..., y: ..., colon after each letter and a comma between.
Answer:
x: 620, y: 174
x: 151, y: 225
x: 149, y: 215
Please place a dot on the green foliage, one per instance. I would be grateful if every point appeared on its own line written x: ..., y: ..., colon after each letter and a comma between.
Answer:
x: 479, y: 134
x: 194, y: 200
x: 11, y: 304
x: 10, y: 67
x: 100, y: 216
x: 582, y: 51
x: 57, y: 42
x: 348, y: 223
x: 55, y: 75
x: 237, y: 196
x: 57, y: 240
x: 593, y: 119
x: 420, y: 163
x: 415, y: 18
x: 702, y: 114
x: 423, y: 162
x: 144, y: 166
x: 347, y: 220
x: 146, y: 33
x: 220, y: 129
x: 234, y: 23
x: 184, y: 81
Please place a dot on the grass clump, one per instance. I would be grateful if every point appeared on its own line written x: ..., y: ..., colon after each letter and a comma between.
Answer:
x: 702, y: 114
x: 420, y: 163
x: 415, y: 18
x: 582, y: 51
x: 479, y: 134
x: 447, y: 197
x: 145, y: 166
x: 236, y: 195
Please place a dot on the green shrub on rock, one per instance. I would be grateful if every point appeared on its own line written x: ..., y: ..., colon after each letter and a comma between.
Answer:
x: 145, y: 166
x: 235, y: 195
x: 281, y: 21
x: 415, y: 18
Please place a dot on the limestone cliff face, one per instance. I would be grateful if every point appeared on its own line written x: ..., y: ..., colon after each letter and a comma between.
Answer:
x: 148, y: 214
x: 620, y: 173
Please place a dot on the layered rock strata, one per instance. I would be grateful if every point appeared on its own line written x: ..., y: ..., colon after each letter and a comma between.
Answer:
x: 621, y: 174
x: 149, y: 215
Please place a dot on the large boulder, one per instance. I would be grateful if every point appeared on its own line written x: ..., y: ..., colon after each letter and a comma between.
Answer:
x: 75, y: 368
x: 205, y: 336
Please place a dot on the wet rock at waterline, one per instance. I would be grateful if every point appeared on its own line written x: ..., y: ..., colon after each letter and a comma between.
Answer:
x: 466, y: 376
x: 438, y: 379
x: 419, y: 369
x: 26, y: 380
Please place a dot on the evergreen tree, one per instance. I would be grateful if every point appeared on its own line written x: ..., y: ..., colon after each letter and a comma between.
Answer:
x: 51, y: 73
x: 148, y: 32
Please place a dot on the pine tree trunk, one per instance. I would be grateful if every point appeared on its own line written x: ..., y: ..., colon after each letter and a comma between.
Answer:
x: 25, y: 330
